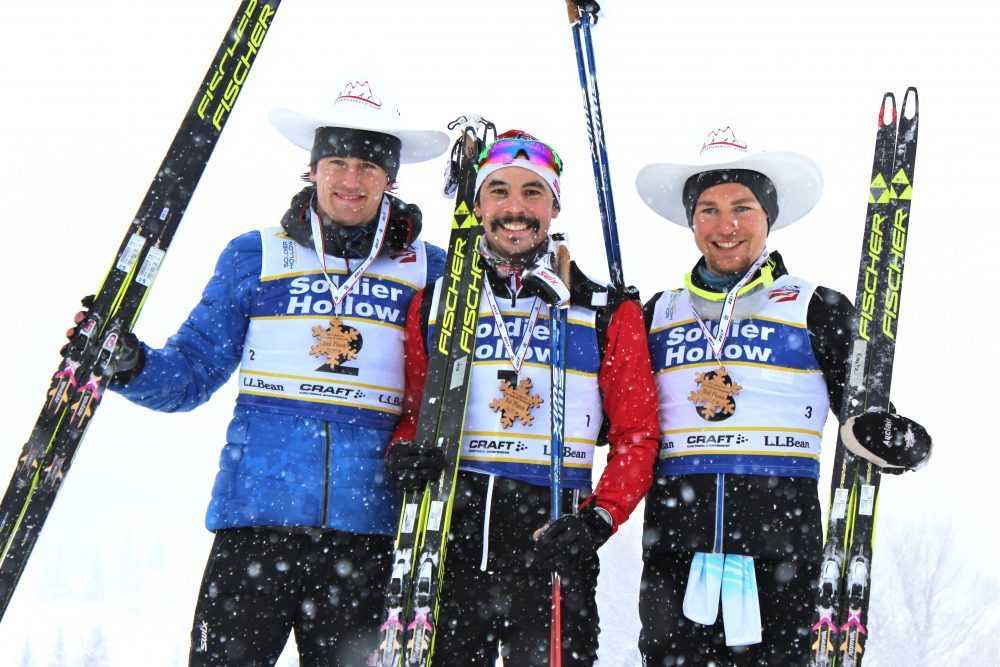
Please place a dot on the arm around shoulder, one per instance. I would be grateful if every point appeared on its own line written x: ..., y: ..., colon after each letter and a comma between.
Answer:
x: 630, y: 403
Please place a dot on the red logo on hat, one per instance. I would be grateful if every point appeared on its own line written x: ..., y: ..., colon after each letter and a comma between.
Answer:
x: 516, y: 134
x: 358, y: 91
x: 723, y: 138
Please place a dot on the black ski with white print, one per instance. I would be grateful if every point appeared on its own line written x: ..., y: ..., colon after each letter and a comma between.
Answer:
x: 77, y: 387
x: 408, y: 628
x: 839, y: 624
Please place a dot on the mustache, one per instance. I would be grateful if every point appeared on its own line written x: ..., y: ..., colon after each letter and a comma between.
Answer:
x: 532, y: 222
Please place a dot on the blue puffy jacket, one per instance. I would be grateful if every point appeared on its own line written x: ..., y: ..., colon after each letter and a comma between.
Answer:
x: 273, y: 467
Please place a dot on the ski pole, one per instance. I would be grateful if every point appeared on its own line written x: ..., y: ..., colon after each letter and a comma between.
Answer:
x: 557, y: 340
x: 581, y: 14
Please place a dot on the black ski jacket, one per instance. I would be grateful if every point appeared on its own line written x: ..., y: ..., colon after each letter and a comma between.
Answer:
x: 757, y: 515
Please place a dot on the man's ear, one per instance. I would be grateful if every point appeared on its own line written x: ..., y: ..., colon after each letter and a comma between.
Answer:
x: 555, y: 209
x: 312, y: 173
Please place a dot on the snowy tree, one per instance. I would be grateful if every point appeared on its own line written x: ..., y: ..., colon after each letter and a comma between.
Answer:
x: 95, y: 654
x: 25, y: 659
x: 58, y: 653
x: 927, y: 607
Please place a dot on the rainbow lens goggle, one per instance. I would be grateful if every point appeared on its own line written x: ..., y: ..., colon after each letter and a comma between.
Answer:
x: 506, y: 151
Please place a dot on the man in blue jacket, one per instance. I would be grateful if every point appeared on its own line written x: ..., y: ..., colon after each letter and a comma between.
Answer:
x: 313, y: 314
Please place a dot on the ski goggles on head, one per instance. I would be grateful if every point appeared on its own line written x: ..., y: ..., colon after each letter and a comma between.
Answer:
x: 506, y: 151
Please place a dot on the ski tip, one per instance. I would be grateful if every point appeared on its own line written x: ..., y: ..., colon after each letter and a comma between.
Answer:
x: 887, y: 113
x: 910, y: 108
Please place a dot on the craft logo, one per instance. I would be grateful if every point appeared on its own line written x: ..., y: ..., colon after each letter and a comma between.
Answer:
x: 359, y: 92
x: 717, y: 439
x: 785, y: 294
x: 723, y: 138
x: 505, y: 446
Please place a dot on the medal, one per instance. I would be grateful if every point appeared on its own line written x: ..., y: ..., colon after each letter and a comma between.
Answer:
x: 516, y: 403
x: 714, y: 398
x: 516, y: 400
x: 338, y: 343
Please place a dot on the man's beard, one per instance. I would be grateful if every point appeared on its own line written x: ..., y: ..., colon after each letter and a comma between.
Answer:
x: 528, y: 256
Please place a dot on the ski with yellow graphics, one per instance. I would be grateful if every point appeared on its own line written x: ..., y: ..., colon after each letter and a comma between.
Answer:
x: 78, y: 384
x: 408, y: 627
x: 839, y: 625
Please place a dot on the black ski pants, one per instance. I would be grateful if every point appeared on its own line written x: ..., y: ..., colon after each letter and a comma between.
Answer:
x: 506, y: 606
x: 787, y: 595
x: 260, y: 584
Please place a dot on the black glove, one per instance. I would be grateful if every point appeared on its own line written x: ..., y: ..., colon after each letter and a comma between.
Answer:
x: 588, y: 6
x: 412, y: 466
x: 127, y: 357
x: 128, y: 360
x: 892, y: 442
x: 571, y: 540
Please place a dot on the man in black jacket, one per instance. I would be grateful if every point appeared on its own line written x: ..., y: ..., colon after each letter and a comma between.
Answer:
x: 749, y: 360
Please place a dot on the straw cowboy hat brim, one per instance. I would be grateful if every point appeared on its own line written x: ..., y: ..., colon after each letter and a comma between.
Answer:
x: 797, y: 180
x: 358, y: 107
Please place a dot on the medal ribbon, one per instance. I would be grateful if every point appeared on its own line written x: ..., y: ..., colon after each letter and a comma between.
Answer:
x: 338, y: 293
x: 718, y: 341
x: 516, y: 360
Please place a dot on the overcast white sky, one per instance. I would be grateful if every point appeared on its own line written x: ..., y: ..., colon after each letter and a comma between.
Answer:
x: 91, y: 95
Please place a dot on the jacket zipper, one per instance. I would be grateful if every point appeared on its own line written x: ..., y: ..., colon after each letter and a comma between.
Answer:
x: 326, y: 472
x: 720, y: 501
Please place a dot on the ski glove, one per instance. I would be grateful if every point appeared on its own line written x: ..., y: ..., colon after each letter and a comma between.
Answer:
x: 571, y: 540
x: 128, y: 358
x: 411, y: 466
x: 543, y: 281
x: 892, y: 442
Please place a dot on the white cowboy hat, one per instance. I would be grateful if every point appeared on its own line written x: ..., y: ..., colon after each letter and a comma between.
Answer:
x: 797, y: 179
x: 361, y: 104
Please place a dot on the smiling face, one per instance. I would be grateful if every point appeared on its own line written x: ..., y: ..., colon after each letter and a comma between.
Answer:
x: 516, y: 207
x: 730, y: 228
x: 348, y: 190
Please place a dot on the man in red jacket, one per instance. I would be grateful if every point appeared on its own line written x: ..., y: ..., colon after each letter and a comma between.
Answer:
x: 497, y: 577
